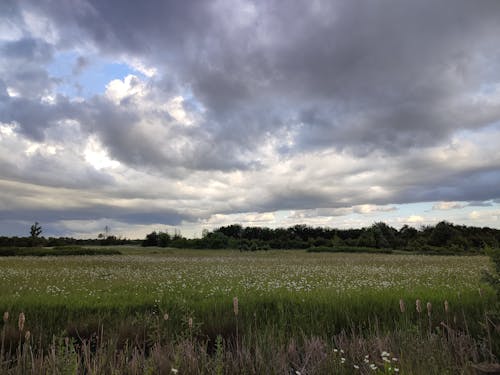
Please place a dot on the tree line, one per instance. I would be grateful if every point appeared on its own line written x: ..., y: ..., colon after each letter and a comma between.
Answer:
x: 443, y: 237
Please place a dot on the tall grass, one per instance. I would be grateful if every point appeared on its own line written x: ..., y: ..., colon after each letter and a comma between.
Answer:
x: 293, y: 312
x: 150, y: 345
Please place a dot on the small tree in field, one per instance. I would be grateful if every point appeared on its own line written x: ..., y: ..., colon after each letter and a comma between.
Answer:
x: 35, y: 232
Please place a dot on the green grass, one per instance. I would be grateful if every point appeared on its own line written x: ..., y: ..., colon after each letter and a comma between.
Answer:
x: 348, y: 249
x: 293, y: 305
x: 293, y: 290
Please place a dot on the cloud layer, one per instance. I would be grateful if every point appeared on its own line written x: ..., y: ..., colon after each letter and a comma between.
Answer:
x: 247, y: 108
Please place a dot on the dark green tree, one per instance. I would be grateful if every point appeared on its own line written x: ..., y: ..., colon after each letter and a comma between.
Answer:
x: 151, y: 239
x: 163, y: 239
x: 35, y: 232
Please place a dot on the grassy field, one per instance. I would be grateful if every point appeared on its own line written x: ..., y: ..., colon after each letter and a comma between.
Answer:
x: 164, y: 296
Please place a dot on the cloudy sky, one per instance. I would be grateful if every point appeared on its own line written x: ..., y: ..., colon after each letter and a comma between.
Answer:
x: 142, y: 115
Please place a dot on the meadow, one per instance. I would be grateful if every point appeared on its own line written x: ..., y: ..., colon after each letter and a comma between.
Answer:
x: 199, y: 311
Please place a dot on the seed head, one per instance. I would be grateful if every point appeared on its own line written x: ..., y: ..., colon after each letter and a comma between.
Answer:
x: 190, y: 323
x: 27, y: 335
x: 446, y: 307
x: 5, y: 316
x: 429, y: 308
x: 165, y: 316
x: 418, y: 304
x: 402, y: 306
x: 235, y: 306
x: 21, y: 321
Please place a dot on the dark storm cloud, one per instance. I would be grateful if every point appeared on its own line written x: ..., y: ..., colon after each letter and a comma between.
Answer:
x: 129, y: 216
x: 362, y: 76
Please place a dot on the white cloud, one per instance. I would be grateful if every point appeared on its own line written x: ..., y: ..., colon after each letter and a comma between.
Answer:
x: 415, y: 219
x: 140, y: 66
x: 40, y: 27
x: 176, y: 109
x: 444, y: 206
x: 97, y: 156
x: 131, y: 86
x: 12, y: 92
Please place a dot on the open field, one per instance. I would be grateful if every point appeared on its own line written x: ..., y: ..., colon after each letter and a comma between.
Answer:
x: 286, y: 295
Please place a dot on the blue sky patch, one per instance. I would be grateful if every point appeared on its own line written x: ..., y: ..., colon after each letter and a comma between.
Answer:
x: 91, y: 79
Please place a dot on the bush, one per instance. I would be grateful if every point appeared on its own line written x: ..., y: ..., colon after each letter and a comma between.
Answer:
x: 62, y: 251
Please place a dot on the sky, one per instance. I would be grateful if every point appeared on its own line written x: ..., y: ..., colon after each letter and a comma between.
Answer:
x: 190, y: 115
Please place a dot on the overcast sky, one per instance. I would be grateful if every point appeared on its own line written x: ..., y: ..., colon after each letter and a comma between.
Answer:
x: 142, y: 115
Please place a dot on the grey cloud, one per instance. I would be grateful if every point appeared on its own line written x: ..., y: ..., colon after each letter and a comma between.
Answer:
x: 130, y: 216
x: 119, y: 128
x: 3, y: 91
x: 33, y: 116
x: 27, y: 50
x: 22, y: 67
x: 81, y: 63
x: 480, y: 204
x: 461, y: 186
x: 367, y: 79
x: 356, y: 76
x: 55, y: 172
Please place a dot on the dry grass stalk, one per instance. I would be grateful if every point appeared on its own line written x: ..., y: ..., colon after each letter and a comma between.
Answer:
x: 190, y: 323
x: 21, y: 321
x: 402, y: 307
x: 418, y: 305
x: 235, y: 306
x: 446, y: 307
x: 429, y: 308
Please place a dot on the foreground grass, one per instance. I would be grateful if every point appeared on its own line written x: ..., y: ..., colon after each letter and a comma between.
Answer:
x: 288, y: 301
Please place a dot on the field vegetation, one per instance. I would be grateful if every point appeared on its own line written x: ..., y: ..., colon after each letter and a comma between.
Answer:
x: 442, y: 239
x: 164, y: 310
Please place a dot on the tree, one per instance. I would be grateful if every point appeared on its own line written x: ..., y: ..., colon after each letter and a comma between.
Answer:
x: 35, y: 232
x: 151, y: 239
x: 163, y: 239
x: 441, y: 234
